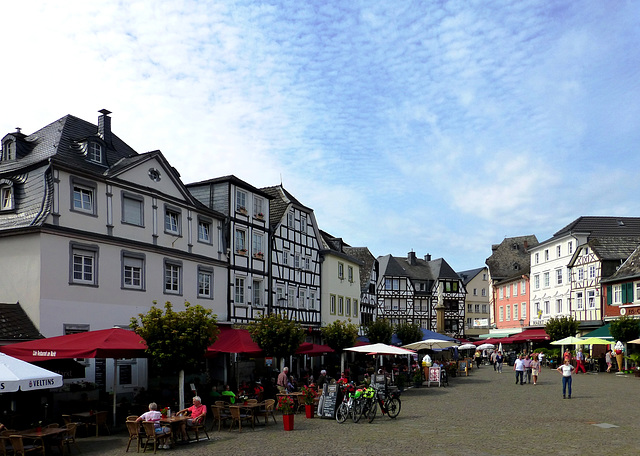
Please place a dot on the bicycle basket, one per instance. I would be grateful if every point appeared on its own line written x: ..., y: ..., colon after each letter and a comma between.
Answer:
x: 369, y: 393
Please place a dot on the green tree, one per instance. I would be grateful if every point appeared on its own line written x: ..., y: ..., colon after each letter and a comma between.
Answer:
x: 276, y: 335
x: 379, y: 331
x: 176, y: 340
x: 625, y: 328
x: 561, y: 327
x: 340, y: 335
x: 409, y: 332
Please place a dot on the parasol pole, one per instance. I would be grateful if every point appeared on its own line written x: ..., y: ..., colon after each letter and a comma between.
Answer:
x: 115, y: 384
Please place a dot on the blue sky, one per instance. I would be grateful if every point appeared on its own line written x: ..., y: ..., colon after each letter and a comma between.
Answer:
x: 437, y: 127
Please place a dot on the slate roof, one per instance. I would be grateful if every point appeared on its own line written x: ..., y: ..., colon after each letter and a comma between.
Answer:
x: 509, y: 253
x: 363, y: 255
x: 630, y: 269
x: 468, y: 276
x: 602, y: 226
x: 416, y: 268
x: 15, y: 325
x: 233, y: 180
x: 280, y: 203
x: 613, y: 248
x: 337, y: 247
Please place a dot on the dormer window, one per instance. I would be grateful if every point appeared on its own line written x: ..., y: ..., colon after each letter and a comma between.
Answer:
x: 6, y: 195
x: 95, y: 152
x: 8, y: 150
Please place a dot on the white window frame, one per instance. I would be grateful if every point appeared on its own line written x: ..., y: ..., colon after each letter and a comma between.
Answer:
x: 484, y: 292
x: 241, y: 200
x: 591, y: 299
x: 617, y: 294
x: 469, y: 307
x: 256, y: 293
x: 332, y: 304
x: 501, y: 313
x: 83, y: 196
x: 8, y: 150
x: 172, y: 220
x: 258, y: 207
x: 133, y: 270
x: 172, y: 277
x: 515, y: 311
x: 547, y: 307
x: 303, y: 223
x: 350, y: 274
x: 257, y: 247
x: 637, y: 292
x: 523, y: 287
x: 291, y: 220
x: 559, y: 276
x: 340, y: 305
x: 204, y: 231
x: 559, y: 306
x: 515, y: 288
x: 501, y: 292
x: 132, y: 209
x: 205, y: 282
x: 546, y: 279
x: 570, y: 247
x: 291, y: 298
x: 302, y: 298
x: 240, y: 240
x: 239, y: 291
x: 580, y: 274
x: 83, y: 264
x: 340, y: 270
x: 477, y: 308
x: 6, y: 197
x: 280, y: 295
x: 347, y: 307
x: 523, y: 310
x: 312, y: 300
x: 546, y: 255
x: 559, y: 251
x: 579, y: 300
x: 94, y: 152
x: 592, y: 272
x: 536, y: 258
x: 355, y: 308
x: 285, y: 257
x: 508, y: 312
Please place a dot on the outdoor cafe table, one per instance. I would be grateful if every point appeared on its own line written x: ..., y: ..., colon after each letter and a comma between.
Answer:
x: 175, y: 421
x: 249, y: 406
x: 44, y: 435
x: 88, y: 417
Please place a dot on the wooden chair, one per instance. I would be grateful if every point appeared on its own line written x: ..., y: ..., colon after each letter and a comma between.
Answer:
x: 134, y: 433
x: 197, y: 425
x: 219, y: 416
x: 5, y: 445
x: 70, y: 437
x: 52, y: 425
x: 20, y: 449
x: 269, y: 409
x: 132, y: 417
x: 252, y: 401
x: 100, y: 420
x: 152, y: 437
x: 298, y: 403
x: 238, y: 416
x: 79, y: 425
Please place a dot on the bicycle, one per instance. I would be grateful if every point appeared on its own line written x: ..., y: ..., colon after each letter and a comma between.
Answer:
x: 389, y: 403
x: 351, y: 404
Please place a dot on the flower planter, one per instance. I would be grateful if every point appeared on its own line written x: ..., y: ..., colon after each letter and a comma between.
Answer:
x: 309, y: 409
x: 287, y: 420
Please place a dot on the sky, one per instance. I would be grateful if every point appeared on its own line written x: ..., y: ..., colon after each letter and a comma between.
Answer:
x: 428, y: 126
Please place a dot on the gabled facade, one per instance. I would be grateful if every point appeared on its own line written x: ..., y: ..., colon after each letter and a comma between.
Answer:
x: 621, y: 290
x: 409, y: 289
x: 340, y: 282
x: 368, y: 278
x: 295, y: 259
x: 477, y: 314
x: 245, y: 238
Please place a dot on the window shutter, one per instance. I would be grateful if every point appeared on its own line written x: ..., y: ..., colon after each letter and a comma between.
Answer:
x: 609, y: 295
x: 629, y: 297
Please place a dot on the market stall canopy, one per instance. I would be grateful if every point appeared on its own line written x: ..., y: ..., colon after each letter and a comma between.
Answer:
x: 231, y: 340
x: 310, y: 349
x: 570, y: 340
x: 602, y: 332
x: 594, y: 341
x: 103, y: 343
x: 430, y: 344
x: 16, y: 374
x: 530, y: 334
x: 380, y: 349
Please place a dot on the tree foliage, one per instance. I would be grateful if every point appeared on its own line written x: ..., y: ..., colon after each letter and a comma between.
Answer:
x: 561, y: 327
x: 379, y: 331
x: 409, y: 332
x: 176, y: 340
x: 625, y: 328
x: 340, y: 335
x: 276, y: 335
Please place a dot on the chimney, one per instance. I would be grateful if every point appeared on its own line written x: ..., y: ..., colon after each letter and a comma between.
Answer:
x: 411, y: 258
x: 104, y: 126
x: 526, y: 245
x: 427, y: 257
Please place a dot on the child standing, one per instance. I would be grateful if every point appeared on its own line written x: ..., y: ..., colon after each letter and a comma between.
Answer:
x: 566, y: 369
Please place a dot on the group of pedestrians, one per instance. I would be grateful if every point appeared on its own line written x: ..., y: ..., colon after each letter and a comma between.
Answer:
x: 527, y: 368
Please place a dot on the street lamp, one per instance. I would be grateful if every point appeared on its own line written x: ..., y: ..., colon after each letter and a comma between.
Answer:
x: 522, y: 322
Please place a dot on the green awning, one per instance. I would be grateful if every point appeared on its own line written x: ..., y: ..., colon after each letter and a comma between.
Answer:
x: 498, y: 334
x: 602, y: 332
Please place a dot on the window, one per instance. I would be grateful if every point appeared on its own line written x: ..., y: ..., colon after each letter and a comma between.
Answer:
x: 570, y: 247
x: 340, y: 305
x: 355, y: 308
x: 6, y: 196
x: 508, y: 312
x: 536, y: 281
x: 501, y: 313
x: 204, y: 231
x: 258, y: 207
x: 545, y: 279
x: 341, y: 271
x: 523, y: 287
x: 515, y: 289
x: 507, y: 290
x: 580, y: 274
x: 591, y: 298
x: 238, y: 291
x: 296, y: 261
x: 347, y: 309
x: 172, y: 221
x: 280, y: 297
x: 240, y: 239
x: 547, y: 307
x: 95, y: 152
x: 537, y: 258
x: 559, y: 306
x: 285, y: 257
x: 484, y: 292
x: 241, y: 201
x: 515, y: 312
x: 469, y: 308
x: 8, y: 150
x: 579, y: 300
x: 475, y: 292
x: 84, y: 264
x: 303, y: 223
x: 484, y: 308
x: 501, y: 292
x: 350, y: 273
x: 546, y: 255
x: 302, y: 298
x: 83, y: 196
x: 484, y: 277
x: 291, y: 297
x: 172, y: 277
x: 477, y: 308
x: 332, y: 304
x: 637, y: 291
x: 617, y: 294
x: 132, y: 209
x: 558, y: 276
x: 312, y: 300
x: 290, y: 220
x: 558, y: 251
x: 538, y: 310
x: 256, y: 290
x: 205, y: 280
x: 523, y: 310
x: 306, y: 264
x: 391, y: 284
x: 592, y: 272
x: 133, y: 270
x: 256, y: 246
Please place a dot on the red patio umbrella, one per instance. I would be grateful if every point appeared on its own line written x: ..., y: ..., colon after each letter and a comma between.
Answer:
x: 310, y: 349
x: 231, y: 340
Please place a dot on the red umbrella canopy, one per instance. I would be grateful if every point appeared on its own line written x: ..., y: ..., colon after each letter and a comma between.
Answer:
x: 232, y: 340
x: 103, y: 343
x: 310, y: 349
x: 493, y: 341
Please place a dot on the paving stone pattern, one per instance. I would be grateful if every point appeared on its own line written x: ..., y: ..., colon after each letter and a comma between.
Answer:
x: 483, y: 414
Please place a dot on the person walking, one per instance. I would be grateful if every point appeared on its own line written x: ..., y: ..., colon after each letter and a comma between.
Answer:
x: 499, y: 361
x: 494, y: 354
x: 535, y: 368
x: 518, y: 367
x: 527, y: 369
x: 607, y: 359
x: 566, y: 369
x: 580, y: 362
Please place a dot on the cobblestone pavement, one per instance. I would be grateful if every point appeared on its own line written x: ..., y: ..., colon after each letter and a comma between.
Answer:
x: 483, y: 414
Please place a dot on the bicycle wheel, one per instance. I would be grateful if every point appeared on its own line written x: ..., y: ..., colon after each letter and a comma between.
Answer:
x: 373, y: 409
x: 342, y: 413
x: 393, y: 407
x: 357, y: 410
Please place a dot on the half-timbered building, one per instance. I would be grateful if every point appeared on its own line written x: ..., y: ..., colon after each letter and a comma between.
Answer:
x: 368, y: 279
x: 409, y: 290
x: 245, y: 238
x: 621, y: 290
x: 295, y: 259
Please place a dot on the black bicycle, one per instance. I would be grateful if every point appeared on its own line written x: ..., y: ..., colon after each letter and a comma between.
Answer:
x: 389, y: 403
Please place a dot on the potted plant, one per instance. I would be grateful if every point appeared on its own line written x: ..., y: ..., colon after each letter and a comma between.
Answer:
x: 285, y: 405
x: 309, y: 395
x: 417, y: 378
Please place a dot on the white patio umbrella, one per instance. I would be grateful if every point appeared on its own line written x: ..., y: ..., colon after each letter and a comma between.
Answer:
x: 431, y: 344
x: 484, y: 346
x: 635, y: 341
x: 570, y: 340
x: 16, y: 374
x: 467, y: 347
x: 380, y: 349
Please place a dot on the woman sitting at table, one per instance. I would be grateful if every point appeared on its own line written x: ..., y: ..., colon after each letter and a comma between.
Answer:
x: 154, y: 415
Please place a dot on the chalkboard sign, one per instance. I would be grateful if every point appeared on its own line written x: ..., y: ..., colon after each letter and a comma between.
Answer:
x: 101, y: 373
x: 328, y: 400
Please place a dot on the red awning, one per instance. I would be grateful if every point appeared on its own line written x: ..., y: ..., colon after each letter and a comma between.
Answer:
x: 232, y: 340
x: 103, y: 343
x: 530, y: 334
x: 310, y: 349
x: 493, y: 341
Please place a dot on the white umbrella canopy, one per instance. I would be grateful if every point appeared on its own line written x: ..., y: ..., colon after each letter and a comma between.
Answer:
x: 570, y: 340
x: 380, y: 349
x: 483, y: 346
x: 467, y: 347
x: 635, y: 341
x: 431, y: 344
x: 16, y: 374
